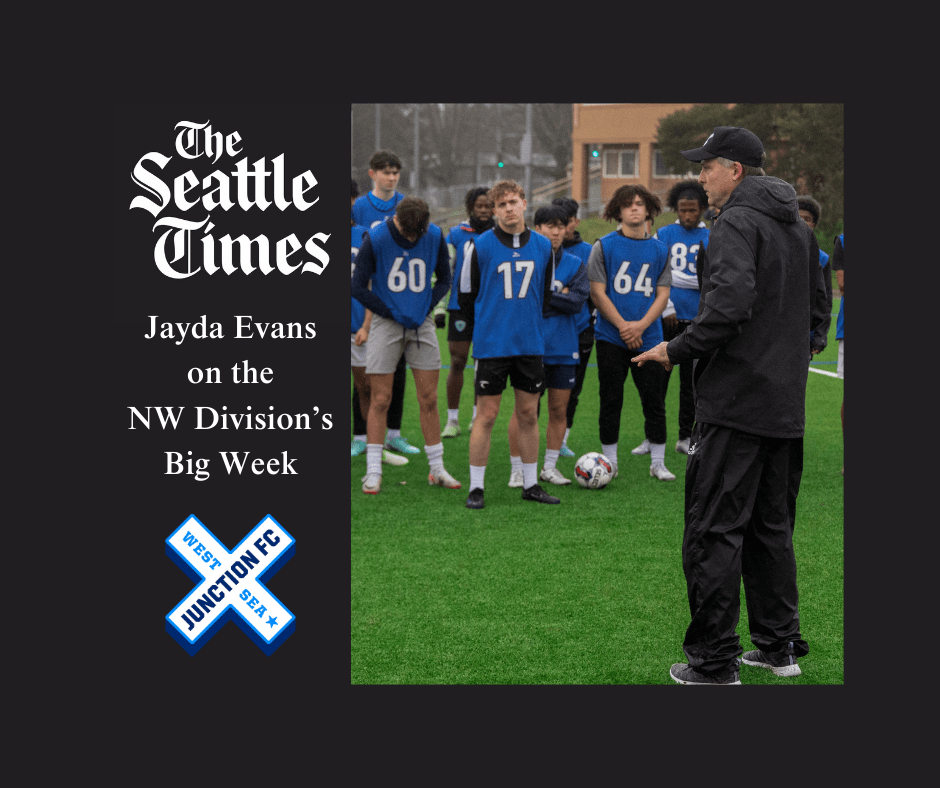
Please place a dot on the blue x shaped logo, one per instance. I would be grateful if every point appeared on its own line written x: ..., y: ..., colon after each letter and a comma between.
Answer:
x: 230, y: 585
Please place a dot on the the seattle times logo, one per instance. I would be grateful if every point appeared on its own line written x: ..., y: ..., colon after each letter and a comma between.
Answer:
x: 230, y: 585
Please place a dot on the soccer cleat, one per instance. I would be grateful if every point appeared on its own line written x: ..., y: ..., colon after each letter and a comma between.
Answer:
x: 781, y: 663
x: 450, y: 431
x: 554, y: 476
x: 393, y: 459
x: 442, y: 478
x: 565, y: 451
x: 683, y: 446
x: 400, y: 444
x: 681, y: 673
x: 475, y: 499
x: 614, y: 470
x: 536, y: 493
x: 662, y: 473
x: 643, y: 448
x: 372, y: 483
x: 515, y: 479
x: 357, y: 448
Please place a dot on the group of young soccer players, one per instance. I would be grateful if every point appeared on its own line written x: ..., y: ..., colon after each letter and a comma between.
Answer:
x: 532, y: 304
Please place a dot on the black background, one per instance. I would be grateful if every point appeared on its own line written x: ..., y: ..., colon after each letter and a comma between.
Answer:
x: 106, y: 674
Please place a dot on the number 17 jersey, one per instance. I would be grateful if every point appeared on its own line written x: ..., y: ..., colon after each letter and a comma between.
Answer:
x: 508, y: 307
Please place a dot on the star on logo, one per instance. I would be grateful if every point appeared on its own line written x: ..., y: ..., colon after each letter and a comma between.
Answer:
x: 230, y: 584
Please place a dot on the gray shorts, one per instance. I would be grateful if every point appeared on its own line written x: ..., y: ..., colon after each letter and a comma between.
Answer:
x: 388, y: 340
x: 357, y: 353
x: 840, y: 370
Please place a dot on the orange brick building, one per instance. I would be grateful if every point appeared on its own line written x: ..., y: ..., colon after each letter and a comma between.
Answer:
x: 624, y: 137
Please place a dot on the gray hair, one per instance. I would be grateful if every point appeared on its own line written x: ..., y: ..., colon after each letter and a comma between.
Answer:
x: 748, y: 169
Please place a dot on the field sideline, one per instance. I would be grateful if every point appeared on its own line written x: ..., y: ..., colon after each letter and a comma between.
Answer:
x: 587, y: 592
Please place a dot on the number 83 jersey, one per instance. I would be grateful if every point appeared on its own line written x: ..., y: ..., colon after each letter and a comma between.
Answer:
x: 402, y: 279
x: 633, y: 270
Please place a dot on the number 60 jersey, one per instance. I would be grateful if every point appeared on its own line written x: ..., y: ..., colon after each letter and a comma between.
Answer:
x: 401, y: 273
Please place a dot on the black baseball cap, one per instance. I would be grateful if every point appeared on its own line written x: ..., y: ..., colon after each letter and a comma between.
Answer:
x: 729, y: 142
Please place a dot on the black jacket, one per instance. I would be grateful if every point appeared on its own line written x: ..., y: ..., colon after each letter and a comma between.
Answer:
x: 762, y: 293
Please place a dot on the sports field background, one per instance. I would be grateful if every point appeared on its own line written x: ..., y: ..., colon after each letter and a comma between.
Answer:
x: 590, y: 591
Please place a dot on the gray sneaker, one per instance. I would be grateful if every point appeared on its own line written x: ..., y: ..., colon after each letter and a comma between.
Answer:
x: 681, y: 673
x: 554, y: 476
x: 782, y: 663
x: 662, y: 473
x: 372, y: 483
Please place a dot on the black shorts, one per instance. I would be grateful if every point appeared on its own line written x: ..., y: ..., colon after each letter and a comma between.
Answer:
x: 560, y: 376
x: 459, y: 327
x: 526, y: 372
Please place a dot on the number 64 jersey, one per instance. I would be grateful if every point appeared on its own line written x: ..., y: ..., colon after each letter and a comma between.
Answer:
x: 634, y: 268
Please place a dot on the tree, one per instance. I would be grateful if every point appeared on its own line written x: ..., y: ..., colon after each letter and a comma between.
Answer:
x: 552, y: 132
x: 804, y: 144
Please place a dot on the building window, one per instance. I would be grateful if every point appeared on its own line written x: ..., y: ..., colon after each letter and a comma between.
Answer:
x: 621, y: 163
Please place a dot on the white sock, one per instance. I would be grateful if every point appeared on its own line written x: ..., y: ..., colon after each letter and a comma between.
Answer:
x: 515, y: 463
x: 435, y: 456
x: 476, y: 476
x: 657, y: 454
x: 474, y: 412
x: 374, y: 458
x: 564, y: 440
x: 610, y: 452
x: 551, y: 457
x: 359, y: 438
x: 530, y: 474
x: 452, y: 414
x: 393, y: 434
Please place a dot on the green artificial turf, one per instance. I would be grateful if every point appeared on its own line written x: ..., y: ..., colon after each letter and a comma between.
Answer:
x: 590, y: 591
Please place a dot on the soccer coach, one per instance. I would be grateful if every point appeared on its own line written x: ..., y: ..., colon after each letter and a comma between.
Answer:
x: 762, y: 293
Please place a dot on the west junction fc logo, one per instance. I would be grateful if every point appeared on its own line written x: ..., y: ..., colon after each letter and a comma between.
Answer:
x: 230, y: 585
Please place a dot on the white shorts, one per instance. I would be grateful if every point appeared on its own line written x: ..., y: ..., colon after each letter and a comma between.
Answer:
x: 357, y: 353
x: 840, y: 370
x: 388, y: 340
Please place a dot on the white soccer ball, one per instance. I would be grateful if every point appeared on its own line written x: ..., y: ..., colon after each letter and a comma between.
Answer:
x: 593, y: 470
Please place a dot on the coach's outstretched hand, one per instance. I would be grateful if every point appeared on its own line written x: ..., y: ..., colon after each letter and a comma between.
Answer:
x: 657, y: 353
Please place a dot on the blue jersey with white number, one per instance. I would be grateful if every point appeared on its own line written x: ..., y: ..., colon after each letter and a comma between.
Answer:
x: 358, y: 310
x: 461, y: 237
x: 684, y: 246
x: 561, y: 331
x: 402, y: 278
x: 633, y: 268
x: 369, y: 211
x: 507, y: 311
x: 582, y: 251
